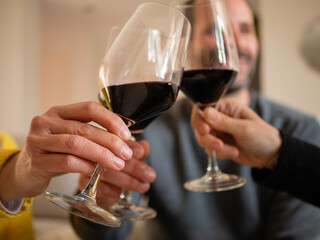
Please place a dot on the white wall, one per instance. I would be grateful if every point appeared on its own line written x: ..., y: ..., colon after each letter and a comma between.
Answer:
x: 285, y: 75
x: 19, y: 64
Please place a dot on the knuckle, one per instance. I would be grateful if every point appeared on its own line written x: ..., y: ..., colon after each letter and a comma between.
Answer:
x: 74, y: 142
x: 53, y: 110
x: 115, y: 141
x: 90, y: 107
x: 106, y: 155
x: 38, y: 122
x: 68, y: 161
x: 83, y: 130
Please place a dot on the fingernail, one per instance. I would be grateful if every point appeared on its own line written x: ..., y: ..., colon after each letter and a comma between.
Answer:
x: 149, y: 176
x: 118, y: 163
x: 125, y: 133
x: 126, y: 152
x: 211, y: 114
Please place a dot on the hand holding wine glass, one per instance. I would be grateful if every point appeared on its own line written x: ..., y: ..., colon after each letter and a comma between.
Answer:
x: 139, y: 76
x: 69, y: 142
x: 212, y: 66
x: 240, y: 134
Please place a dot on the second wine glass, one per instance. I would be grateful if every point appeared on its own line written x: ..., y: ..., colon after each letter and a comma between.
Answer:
x: 140, y: 76
x: 212, y: 65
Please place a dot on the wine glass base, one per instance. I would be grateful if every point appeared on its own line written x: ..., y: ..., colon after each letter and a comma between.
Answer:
x: 132, y: 212
x: 84, y: 207
x: 215, y: 183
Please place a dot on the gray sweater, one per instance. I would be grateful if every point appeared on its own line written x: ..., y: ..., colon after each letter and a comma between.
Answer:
x: 250, y: 212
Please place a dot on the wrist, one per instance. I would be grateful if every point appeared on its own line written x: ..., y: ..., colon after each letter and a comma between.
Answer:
x: 276, y: 143
x: 8, y: 191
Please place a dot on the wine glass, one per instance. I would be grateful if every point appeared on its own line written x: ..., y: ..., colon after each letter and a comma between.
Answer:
x: 125, y: 208
x: 212, y: 65
x: 139, y: 66
x: 140, y: 76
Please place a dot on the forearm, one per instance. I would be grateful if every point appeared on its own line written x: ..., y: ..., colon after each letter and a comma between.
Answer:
x: 297, y: 171
x: 13, y: 204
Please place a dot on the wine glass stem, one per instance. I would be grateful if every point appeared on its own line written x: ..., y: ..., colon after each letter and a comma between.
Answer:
x: 213, y: 167
x: 91, y: 188
x: 125, y: 198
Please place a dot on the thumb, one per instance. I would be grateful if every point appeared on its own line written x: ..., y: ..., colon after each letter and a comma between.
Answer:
x: 222, y: 122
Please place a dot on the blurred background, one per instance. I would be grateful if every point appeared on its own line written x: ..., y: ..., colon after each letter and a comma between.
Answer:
x: 50, y: 52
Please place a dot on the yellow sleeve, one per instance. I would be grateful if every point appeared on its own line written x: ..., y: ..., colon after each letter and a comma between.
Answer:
x: 8, y: 148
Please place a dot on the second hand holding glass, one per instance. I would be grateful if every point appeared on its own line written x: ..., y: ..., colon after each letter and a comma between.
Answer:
x: 140, y: 77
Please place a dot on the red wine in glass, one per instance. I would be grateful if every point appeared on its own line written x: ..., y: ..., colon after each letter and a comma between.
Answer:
x: 140, y: 101
x: 205, y: 86
x: 137, y: 127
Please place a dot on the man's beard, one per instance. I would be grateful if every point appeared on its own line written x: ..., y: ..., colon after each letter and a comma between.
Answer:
x: 244, y: 84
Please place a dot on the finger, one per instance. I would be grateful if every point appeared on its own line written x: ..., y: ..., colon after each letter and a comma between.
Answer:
x: 235, y: 109
x: 107, y: 195
x: 92, y: 133
x: 146, y: 146
x: 228, y: 152
x: 140, y: 149
x: 78, y: 146
x: 57, y: 164
x: 140, y: 170
x: 123, y: 180
x: 209, y: 141
x: 222, y: 122
x: 92, y: 111
x: 198, y: 123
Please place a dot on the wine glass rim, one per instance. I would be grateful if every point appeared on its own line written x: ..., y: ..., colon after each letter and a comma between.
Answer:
x: 232, y: 68
x: 185, y: 4
x: 167, y: 6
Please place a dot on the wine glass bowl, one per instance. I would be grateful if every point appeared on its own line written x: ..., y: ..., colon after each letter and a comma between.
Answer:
x: 212, y: 66
x: 140, y: 75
